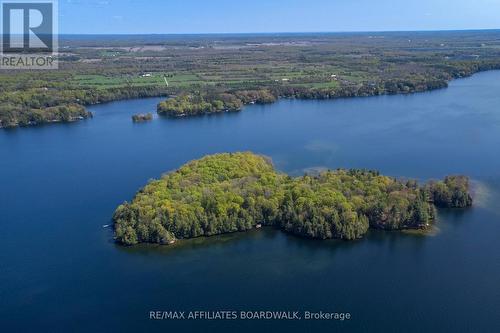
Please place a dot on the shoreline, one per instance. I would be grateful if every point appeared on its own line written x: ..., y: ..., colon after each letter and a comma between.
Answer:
x: 332, y: 98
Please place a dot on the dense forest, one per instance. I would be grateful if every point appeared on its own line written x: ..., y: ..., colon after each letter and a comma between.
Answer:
x: 208, y: 74
x: 13, y: 116
x: 450, y: 193
x: 211, y: 102
x: 226, y: 193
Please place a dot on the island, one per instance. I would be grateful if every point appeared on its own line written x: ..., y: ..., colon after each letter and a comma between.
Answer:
x: 142, y: 117
x: 233, y: 192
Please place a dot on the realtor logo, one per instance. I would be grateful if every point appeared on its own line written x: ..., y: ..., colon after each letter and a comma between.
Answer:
x: 29, y: 37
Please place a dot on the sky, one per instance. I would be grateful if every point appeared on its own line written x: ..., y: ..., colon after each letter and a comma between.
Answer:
x: 258, y: 16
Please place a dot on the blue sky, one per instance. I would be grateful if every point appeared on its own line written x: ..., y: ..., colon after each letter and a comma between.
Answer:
x: 236, y: 16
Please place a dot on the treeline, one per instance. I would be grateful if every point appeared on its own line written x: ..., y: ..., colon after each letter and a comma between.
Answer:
x: 235, y: 192
x: 28, y: 100
x: 388, y: 87
x: 450, y: 193
x: 13, y: 117
x: 190, y: 104
x: 33, y: 106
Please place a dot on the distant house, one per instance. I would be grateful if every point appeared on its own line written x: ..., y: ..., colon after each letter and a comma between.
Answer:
x: 146, y: 75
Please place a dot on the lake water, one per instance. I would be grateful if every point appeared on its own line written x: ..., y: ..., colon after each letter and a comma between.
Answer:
x: 59, y: 184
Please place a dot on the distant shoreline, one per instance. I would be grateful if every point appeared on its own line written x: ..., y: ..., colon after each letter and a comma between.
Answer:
x: 163, y: 94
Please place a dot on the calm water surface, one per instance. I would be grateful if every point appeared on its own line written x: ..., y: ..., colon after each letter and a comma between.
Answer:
x: 61, y: 272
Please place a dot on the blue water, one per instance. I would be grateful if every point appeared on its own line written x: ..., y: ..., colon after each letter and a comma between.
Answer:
x: 61, y: 272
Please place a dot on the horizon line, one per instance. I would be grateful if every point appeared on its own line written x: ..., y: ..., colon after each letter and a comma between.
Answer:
x: 277, y: 32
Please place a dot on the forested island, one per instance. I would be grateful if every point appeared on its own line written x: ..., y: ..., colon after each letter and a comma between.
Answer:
x: 211, y: 74
x: 142, y: 117
x: 233, y: 192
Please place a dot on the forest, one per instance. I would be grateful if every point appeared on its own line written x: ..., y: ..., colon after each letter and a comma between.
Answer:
x: 142, y: 117
x: 232, y: 192
x: 213, y: 102
x: 216, y: 73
